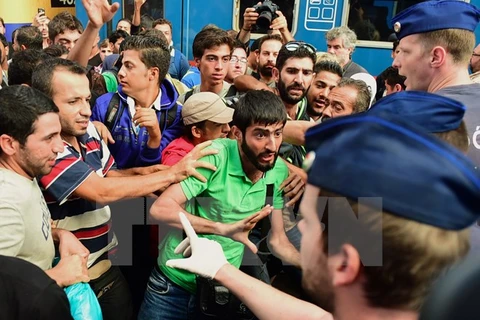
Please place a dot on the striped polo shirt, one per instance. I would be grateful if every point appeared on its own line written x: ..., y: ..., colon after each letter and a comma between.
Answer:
x: 90, y: 222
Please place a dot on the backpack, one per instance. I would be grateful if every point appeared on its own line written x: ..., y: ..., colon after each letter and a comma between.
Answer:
x: 115, y: 108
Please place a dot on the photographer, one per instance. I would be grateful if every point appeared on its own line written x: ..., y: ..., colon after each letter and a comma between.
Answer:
x: 278, y: 24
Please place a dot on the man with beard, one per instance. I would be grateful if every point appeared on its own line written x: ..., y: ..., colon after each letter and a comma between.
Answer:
x: 327, y: 76
x: 227, y: 206
x: 358, y: 255
x: 293, y: 73
x: 268, y: 49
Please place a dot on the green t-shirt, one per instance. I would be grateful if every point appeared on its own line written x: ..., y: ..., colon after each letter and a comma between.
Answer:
x: 228, y: 196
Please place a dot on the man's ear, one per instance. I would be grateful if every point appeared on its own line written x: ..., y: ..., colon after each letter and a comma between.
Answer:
x: 345, y: 266
x: 275, y: 74
x: 236, y: 133
x: 8, y: 145
x: 398, y: 87
x: 197, y: 62
x: 154, y: 73
x: 196, y: 132
x: 438, y: 56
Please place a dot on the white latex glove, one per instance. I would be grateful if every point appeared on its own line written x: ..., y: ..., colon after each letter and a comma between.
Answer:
x: 206, y: 255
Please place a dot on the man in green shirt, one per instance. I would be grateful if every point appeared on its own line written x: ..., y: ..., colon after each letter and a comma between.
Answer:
x: 227, y: 206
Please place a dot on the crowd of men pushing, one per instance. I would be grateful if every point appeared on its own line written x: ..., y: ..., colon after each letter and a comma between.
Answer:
x: 214, y: 162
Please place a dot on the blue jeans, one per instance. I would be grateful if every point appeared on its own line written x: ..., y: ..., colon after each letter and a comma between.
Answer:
x: 166, y: 300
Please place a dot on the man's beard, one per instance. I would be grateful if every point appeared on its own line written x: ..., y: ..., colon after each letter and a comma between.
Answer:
x: 253, y: 158
x: 319, y: 285
x: 266, y: 70
x: 285, y: 96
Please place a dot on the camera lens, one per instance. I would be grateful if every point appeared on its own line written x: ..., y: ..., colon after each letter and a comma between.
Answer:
x: 264, y: 20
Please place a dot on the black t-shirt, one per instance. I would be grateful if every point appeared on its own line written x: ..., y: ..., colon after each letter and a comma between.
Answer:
x: 27, y: 292
x: 95, y: 61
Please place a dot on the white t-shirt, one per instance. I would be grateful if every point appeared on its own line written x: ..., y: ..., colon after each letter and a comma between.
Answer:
x: 25, y: 230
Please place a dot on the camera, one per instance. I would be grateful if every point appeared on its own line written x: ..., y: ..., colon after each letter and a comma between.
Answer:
x: 266, y: 14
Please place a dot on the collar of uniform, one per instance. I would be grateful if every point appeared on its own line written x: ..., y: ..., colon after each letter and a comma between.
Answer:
x: 156, y: 104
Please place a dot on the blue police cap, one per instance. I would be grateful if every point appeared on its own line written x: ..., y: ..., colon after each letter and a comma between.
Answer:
x: 418, y: 176
x: 435, y: 15
x: 430, y: 111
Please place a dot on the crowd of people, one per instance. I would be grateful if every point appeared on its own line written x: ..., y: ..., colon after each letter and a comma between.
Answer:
x: 263, y: 162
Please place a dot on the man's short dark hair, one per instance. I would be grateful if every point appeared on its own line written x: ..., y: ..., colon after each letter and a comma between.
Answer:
x: 268, y: 37
x: 124, y: 19
x: 20, y: 107
x: 328, y: 66
x: 154, y: 33
x: 208, y: 38
x: 392, y: 77
x: 62, y: 22
x: 146, y: 22
x: 301, y: 52
x: 258, y: 106
x: 30, y: 37
x: 55, y: 50
x: 43, y: 74
x: 117, y: 34
x: 395, y: 45
x: 162, y: 21
x: 23, y: 64
x: 153, y: 52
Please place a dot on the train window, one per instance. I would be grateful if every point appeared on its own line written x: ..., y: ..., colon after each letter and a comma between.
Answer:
x: 153, y: 8
x: 371, y: 19
x: 287, y: 7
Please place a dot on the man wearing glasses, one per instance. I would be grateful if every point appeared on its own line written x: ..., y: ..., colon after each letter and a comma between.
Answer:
x: 238, y: 62
x: 475, y: 65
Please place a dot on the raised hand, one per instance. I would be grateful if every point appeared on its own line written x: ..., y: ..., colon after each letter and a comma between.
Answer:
x: 99, y: 12
x: 239, y: 231
x: 187, y: 166
x: 147, y: 118
x: 205, y: 256
x: 294, y: 186
x: 249, y: 18
x: 103, y: 132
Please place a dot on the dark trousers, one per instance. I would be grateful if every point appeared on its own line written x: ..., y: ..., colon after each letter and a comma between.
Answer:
x: 113, y: 295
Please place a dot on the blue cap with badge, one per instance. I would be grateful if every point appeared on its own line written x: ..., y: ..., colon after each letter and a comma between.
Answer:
x: 435, y: 15
x: 430, y: 111
x: 418, y: 176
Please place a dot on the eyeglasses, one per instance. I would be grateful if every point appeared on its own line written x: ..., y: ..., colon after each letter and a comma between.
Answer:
x: 295, y: 45
x: 476, y: 54
x: 235, y: 59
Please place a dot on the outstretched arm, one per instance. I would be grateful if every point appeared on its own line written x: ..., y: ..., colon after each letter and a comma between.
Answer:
x: 207, y: 259
x: 99, y: 12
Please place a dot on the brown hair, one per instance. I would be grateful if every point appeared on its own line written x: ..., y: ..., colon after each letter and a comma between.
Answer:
x: 457, y: 138
x: 162, y: 21
x: 414, y: 255
x: 459, y: 43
